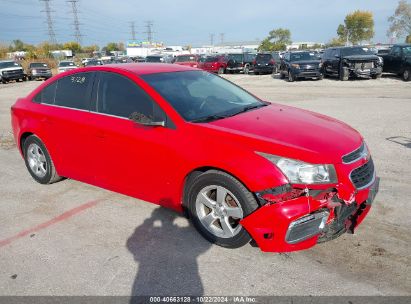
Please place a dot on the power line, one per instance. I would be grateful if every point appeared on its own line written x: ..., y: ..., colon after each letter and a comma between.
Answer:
x: 47, y: 10
x: 133, y: 30
x: 149, y: 31
x: 76, y: 23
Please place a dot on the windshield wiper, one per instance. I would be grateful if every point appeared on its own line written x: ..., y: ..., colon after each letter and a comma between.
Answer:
x: 248, y: 108
x: 210, y: 118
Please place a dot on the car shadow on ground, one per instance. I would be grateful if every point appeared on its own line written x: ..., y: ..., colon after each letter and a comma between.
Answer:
x: 401, y: 140
x: 165, y: 249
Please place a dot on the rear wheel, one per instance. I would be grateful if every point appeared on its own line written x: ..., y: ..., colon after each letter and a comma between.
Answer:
x: 217, y: 203
x: 38, y: 161
x: 220, y: 70
x: 406, y: 76
x: 246, y: 69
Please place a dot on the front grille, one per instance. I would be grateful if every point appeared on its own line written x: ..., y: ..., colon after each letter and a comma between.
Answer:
x: 364, y: 65
x: 355, y: 155
x: 12, y: 73
x: 363, y: 176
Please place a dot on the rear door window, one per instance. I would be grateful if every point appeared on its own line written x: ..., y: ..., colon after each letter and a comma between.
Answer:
x: 74, y: 91
x: 120, y: 96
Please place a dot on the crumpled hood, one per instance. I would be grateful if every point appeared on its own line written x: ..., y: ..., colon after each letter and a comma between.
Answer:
x: 361, y: 57
x: 288, y: 131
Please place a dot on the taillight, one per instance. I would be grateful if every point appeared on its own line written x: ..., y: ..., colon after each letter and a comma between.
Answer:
x: 272, y: 61
x: 254, y: 62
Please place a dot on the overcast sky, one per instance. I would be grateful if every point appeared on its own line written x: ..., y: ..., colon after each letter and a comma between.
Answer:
x: 181, y: 22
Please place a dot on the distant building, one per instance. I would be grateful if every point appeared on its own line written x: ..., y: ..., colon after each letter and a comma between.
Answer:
x: 303, y: 45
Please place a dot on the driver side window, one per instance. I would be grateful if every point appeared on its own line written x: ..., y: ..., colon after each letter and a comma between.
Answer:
x: 396, y: 51
x: 119, y: 96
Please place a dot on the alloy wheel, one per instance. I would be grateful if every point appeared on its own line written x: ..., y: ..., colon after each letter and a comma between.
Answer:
x: 219, y: 211
x: 37, y: 160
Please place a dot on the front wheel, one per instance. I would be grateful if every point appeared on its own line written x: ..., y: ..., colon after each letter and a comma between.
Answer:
x: 38, y: 161
x: 406, y: 76
x: 220, y: 70
x: 217, y: 203
x: 291, y: 77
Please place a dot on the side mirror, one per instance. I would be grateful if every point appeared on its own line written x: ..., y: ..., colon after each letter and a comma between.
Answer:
x: 145, y: 121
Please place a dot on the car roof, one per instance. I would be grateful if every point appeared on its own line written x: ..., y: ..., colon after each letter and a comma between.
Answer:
x: 148, y: 68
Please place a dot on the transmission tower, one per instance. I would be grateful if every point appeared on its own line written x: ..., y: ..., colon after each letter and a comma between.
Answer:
x: 222, y: 38
x: 49, y: 21
x: 133, y: 30
x: 76, y: 23
x: 149, y: 31
x: 211, y: 39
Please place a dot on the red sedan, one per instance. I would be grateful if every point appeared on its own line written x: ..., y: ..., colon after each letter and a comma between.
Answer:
x: 187, y: 60
x: 241, y: 168
x: 214, y: 64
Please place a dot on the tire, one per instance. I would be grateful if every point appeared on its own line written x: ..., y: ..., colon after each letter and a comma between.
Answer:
x: 376, y: 76
x: 247, y: 70
x: 256, y: 73
x: 282, y: 76
x: 344, y: 74
x: 38, y: 161
x: 291, y: 77
x: 275, y: 70
x: 30, y: 78
x: 211, y: 214
x: 321, y: 77
x: 406, y: 75
x: 220, y: 70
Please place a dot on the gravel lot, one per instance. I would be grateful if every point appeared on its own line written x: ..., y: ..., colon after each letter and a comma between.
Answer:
x: 74, y: 239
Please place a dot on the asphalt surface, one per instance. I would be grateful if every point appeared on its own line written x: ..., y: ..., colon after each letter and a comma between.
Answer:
x: 70, y: 238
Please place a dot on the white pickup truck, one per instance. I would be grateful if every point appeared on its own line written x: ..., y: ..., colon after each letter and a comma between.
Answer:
x: 10, y: 70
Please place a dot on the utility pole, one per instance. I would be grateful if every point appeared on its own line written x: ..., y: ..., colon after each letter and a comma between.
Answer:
x: 222, y: 38
x: 133, y: 30
x: 76, y: 23
x: 211, y: 39
x: 149, y: 31
x: 49, y: 21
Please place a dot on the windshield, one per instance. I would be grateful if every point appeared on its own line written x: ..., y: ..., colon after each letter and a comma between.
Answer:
x: 153, y: 59
x: 236, y: 57
x: 201, y: 96
x: 407, y: 50
x: 66, y: 63
x: 187, y: 58
x: 303, y: 56
x: 211, y: 59
x: 38, y: 65
x: 357, y: 51
x: 9, y: 64
x: 263, y: 57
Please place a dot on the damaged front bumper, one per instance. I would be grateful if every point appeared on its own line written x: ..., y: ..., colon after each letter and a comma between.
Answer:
x: 294, y: 218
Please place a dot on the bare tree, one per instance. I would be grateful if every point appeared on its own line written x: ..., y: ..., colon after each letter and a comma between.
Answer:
x: 400, y: 22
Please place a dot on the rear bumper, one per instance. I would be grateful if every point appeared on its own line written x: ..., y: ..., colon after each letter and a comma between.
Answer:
x: 263, y: 69
x: 302, y: 222
x: 307, y: 74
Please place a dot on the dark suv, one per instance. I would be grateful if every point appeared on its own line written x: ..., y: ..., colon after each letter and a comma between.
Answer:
x: 241, y: 62
x: 302, y: 64
x: 39, y: 70
x: 355, y: 61
x: 264, y: 63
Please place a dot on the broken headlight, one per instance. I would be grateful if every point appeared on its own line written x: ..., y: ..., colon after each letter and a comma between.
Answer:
x: 299, y: 172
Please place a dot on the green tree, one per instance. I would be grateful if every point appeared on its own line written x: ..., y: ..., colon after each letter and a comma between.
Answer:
x: 90, y: 48
x: 277, y: 40
x: 358, y: 26
x: 400, y: 22
x: 75, y: 47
